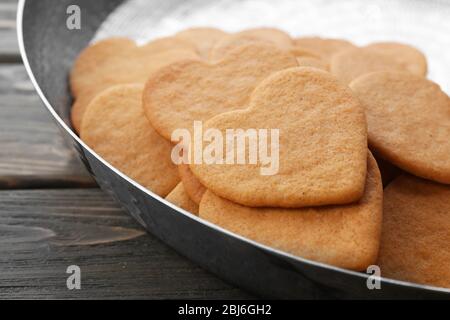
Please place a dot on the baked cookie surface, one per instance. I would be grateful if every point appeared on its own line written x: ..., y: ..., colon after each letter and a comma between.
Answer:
x: 323, y: 48
x: 116, y: 128
x: 269, y: 36
x: 192, y: 185
x: 346, y: 236
x: 408, y: 122
x: 353, y: 63
x: 322, y: 147
x: 312, y: 62
x: 180, y: 198
x: 181, y: 93
x: 411, y: 58
x: 203, y: 38
x: 120, y: 61
x: 415, y: 242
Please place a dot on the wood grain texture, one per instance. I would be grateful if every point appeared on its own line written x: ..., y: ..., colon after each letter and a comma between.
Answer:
x: 9, y: 49
x: 33, y: 153
x: 42, y: 232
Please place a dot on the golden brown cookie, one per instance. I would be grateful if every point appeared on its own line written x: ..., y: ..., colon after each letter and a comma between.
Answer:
x: 180, y: 93
x: 412, y: 59
x: 120, y: 61
x: 180, y: 198
x: 79, y: 107
x: 230, y: 42
x: 350, y: 64
x: 299, y: 52
x: 95, y: 56
x: 202, y: 38
x: 409, y: 122
x: 160, y: 45
x: 106, y: 53
x: 192, y: 185
x: 234, y: 41
x: 346, y: 236
x: 322, y: 144
x: 312, y: 62
x: 280, y: 38
x: 116, y: 128
x: 415, y: 241
x: 322, y: 48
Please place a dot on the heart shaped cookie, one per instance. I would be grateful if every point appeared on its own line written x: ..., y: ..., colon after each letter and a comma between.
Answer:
x: 280, y: 38
x: 322, y: 48
x: 116, y: 128
x: 412, y: 59
x: 305, y: 56
x: 353, y: 63
x: 415, y: 238
x: 409, y: 122
x: 321, y: 155
x: 346, y: 236
x: 120, y: 61
x: 96, y: 56
x: 230, y: 42
x: 177, y: 95
x: 204, y: 39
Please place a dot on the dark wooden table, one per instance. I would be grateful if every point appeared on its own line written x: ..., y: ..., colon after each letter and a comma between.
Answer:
x: 52, y: 215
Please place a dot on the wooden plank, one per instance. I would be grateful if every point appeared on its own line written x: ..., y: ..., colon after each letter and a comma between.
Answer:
x: 33, y: 153
x: 42, y: 232
x: 9, y: 49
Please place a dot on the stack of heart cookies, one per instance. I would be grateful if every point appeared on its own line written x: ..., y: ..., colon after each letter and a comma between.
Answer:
x: 319, y: 119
